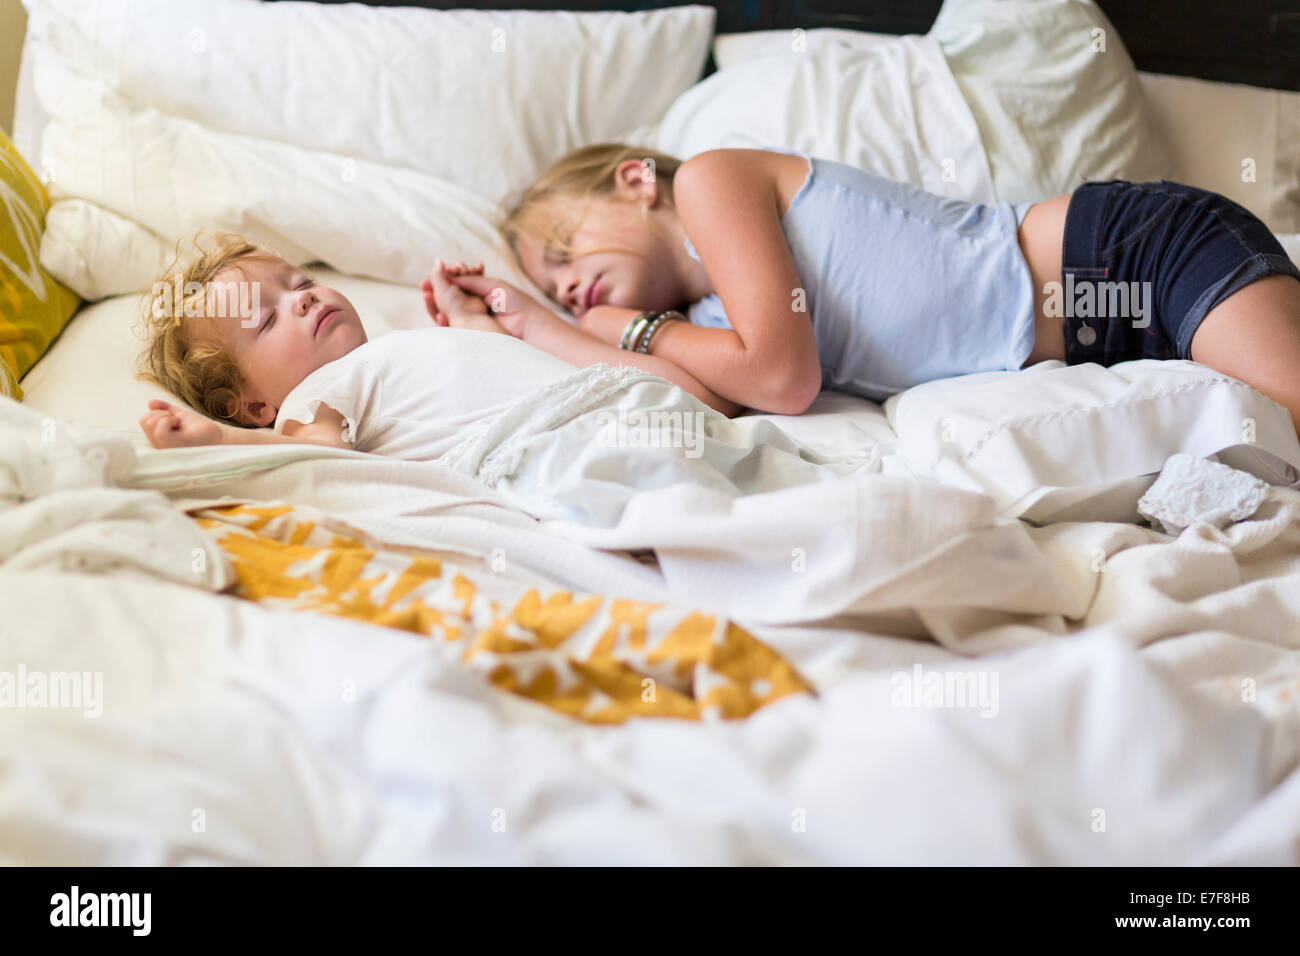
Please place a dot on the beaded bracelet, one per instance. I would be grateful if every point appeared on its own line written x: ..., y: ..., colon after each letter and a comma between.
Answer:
x: 632, y: 333
x: 672, y: 315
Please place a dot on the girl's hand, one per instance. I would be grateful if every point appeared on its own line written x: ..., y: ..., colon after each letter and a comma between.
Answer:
x: 451, y: 307
x: 169, y: 426
x: 519, y: 313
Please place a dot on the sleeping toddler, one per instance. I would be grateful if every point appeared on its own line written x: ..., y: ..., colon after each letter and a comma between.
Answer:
x: 294, y: 357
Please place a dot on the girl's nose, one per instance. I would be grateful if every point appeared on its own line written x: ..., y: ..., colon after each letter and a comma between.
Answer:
x: 571, y: 291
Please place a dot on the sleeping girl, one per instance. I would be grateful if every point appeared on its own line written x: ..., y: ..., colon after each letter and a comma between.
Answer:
x: 797, y: 274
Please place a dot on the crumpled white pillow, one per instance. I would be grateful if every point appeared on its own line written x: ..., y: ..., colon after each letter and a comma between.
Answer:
x: 890, y: 108
x: 483, y: 98
x: 1049, y: 112
x: 1290, y: 244
x: 382, y: 221
x: 1053, y: 110
x: 408, y: 125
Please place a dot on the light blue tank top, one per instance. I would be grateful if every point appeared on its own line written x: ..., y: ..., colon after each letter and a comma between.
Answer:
x: 903, y: 285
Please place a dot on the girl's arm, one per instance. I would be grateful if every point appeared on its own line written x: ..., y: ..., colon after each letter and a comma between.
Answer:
x: 523, y: 317
x: 728, y: 205
x: 552, y: 334
x: 707, y: 345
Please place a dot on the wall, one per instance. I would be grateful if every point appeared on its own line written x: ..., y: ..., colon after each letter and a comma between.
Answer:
x: 13, y: 24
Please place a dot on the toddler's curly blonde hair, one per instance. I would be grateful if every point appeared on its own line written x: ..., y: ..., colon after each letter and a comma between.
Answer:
x: 201, y: 373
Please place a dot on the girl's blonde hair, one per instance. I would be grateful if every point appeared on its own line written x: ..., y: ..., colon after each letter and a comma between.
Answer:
x: 201, y: 373
x: 586, y: 173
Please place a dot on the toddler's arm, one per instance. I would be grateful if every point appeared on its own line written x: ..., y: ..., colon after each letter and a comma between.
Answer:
x: 170, y: 426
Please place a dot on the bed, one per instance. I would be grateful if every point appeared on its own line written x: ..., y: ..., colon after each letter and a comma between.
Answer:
x: 968, y: 645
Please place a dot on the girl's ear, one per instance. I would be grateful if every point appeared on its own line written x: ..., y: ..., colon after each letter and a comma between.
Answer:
x: 635, y: 179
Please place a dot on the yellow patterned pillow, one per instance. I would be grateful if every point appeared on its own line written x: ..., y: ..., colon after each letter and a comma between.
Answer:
x: 34, y: 308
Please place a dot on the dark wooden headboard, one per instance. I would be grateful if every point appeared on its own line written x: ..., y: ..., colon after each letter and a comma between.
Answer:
x: 1235, y: 41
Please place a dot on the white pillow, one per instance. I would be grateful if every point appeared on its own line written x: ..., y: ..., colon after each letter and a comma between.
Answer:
x: 892, y: 109
x: 1053, y: 110
x: 732, y: 48
x: 97, y: 253
x: 1241, y: 141
x: 1291, y: 245
x: 1050, y: 113
x: 1084, y: 441
x: 154, y: 173
x: 351, y: 100
x: 485, y: 99
x: 1210, y: 130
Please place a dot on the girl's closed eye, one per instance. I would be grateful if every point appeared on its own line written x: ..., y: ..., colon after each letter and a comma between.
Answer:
x: 557, y: 249
x: 270, y: 319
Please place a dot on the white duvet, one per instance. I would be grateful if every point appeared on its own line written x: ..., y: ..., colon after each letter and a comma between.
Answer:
x: 1147, y: 715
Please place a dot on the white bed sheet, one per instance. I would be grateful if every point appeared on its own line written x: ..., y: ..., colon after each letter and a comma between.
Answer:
x: 226, y: 735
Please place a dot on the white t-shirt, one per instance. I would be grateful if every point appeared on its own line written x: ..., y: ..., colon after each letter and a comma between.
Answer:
x: 410, y: 394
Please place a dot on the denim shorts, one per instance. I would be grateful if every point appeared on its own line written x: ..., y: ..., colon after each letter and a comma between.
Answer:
x: 1142, y: 263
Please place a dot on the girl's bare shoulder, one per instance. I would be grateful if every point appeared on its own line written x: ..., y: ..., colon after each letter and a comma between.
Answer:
x: 784, y: 173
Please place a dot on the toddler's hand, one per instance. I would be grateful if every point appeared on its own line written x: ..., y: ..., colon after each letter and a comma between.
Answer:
x: 169, y: 426
x: 517, y: 311
x: 448, y: 305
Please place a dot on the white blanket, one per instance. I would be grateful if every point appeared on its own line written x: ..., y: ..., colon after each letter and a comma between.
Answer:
x: 234, y: 733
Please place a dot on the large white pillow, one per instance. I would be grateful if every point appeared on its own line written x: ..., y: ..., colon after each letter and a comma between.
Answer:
x: 485, y: 99
x: 1084, y: 441
x: 892, y: 109
x: 1054, y: 92
x: 1049, y: 112
x: 729, y: 49
x: 1241, y: 141
x: 405, y: 111
x: 1291, y: 245
x: 156, y: 174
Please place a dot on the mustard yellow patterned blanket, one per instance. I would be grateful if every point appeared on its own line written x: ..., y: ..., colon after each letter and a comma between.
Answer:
x: 598, y: 658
